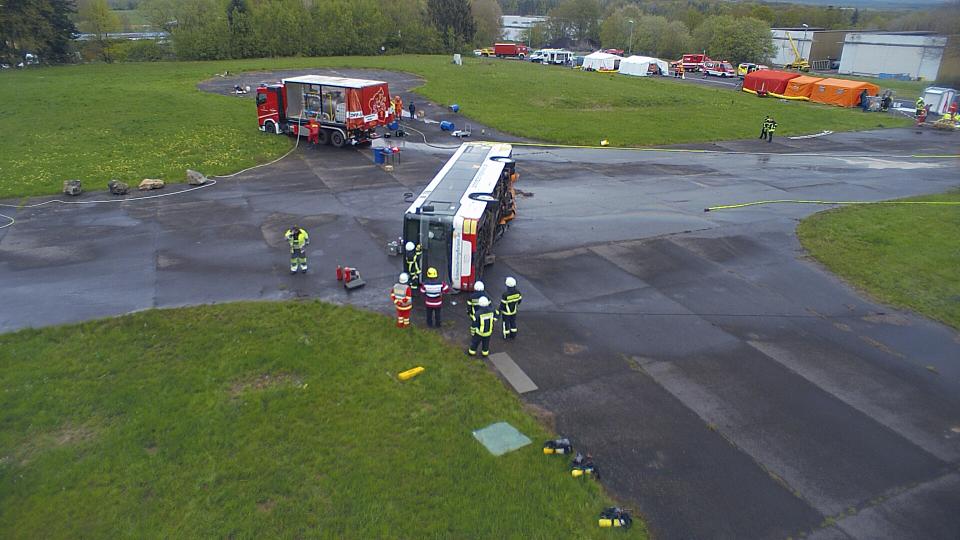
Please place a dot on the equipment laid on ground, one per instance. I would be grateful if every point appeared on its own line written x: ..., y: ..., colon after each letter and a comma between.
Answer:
x: 510, y: 50
x: 447, y: 125
x: 410, y: 373
x: 799, y: 62
x: 558, y: 446
x: 350, y: 277
x: 465, y: 132
x: 615, y: 517
x: 463, y: 211
x: 343, y: 111
x: 583, y: 466
x: 72, y: 187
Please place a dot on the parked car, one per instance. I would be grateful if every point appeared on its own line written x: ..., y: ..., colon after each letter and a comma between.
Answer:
x: 718, y: 68
x: 748, y: 67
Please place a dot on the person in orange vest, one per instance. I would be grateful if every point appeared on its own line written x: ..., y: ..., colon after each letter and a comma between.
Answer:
x: 398, y: 106
x: 402, y: 297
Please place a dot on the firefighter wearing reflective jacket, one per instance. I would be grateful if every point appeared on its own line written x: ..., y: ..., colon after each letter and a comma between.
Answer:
x: 412, y: 258
x: 433, y: 290
x: 298, y: 240
x: 920, y: 106
x: 478, y: 293
x: 509, y: 304
x: 402, y: 297
x: 482, y: 328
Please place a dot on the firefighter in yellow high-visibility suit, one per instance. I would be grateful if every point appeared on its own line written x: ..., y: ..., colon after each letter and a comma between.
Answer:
x: 298, y: 240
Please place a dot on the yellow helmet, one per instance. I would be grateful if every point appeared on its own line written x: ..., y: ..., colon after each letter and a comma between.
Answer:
x: 431, y: 272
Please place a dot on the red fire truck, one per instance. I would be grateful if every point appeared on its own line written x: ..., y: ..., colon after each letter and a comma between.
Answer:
x: 341, y: 111
x: 504, y: 50
x: 691, y: 62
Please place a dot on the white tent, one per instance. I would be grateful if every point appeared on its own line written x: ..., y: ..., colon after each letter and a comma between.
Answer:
x: 601, y: 60
x: 640, y: 65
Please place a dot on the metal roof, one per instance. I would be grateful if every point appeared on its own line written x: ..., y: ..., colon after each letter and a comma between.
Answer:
x: 333, y: 81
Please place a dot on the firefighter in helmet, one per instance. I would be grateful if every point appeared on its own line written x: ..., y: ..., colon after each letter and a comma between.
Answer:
x: 509, y: 304
x: 433, y: 290
x: 482, y: 328
x: 478, y: 293
x: 412, y: 258
x: 402, y: 297
x: 298, y: 240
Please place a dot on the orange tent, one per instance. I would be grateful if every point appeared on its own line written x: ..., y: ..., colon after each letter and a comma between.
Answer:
x: 801, y: 87
x: 841, y: 92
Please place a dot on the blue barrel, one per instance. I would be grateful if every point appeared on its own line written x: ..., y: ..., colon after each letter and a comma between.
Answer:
x: 378, y: 156
x: 393, y: 125
x: 455, y: 108
x: 447, y: 126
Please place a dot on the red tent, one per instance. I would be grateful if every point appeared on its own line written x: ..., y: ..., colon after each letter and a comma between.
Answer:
x: 768, y: 80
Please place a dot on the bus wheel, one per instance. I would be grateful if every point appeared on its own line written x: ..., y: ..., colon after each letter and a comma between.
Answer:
x: 337, y: 139
x: 323, y: 137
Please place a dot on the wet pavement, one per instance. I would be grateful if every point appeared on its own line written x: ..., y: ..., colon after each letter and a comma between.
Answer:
x: 727, y: 386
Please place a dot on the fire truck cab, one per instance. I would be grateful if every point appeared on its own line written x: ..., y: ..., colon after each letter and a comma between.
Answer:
x: 338, y: 110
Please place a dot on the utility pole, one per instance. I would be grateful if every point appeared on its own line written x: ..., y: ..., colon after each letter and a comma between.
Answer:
x: 630, y: 44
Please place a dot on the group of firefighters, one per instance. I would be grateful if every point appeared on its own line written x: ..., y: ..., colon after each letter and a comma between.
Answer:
x: 480, y: 309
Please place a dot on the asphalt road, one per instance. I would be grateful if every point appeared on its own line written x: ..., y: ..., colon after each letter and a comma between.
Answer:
x: 727, y: 386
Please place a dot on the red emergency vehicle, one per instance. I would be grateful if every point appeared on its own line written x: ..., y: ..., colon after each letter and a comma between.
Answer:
x: 338, y: 110
x: 691, y: 62
x: 505, y: 50
x: 719, y: 69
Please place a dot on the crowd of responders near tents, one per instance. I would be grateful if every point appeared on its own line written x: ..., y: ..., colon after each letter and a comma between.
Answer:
x: 796, y: 86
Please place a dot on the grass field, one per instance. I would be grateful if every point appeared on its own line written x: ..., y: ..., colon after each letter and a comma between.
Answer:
x: 132, y: 121
x: 267, y: 420
x: 908, y: 256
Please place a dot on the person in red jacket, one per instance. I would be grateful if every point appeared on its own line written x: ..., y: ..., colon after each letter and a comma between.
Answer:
x: 433, y: 290
x: 402, y: 298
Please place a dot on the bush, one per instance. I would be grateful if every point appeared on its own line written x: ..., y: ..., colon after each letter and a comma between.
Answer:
x: 146, y: 50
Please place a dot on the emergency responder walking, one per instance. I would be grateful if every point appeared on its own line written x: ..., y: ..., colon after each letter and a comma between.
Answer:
x: 769, y: 126
x: 402, y: 297
x: 509, y: 303
x: 920, y: 106
x: 298, y: 240
x: 412, y: 258
x: 478, y: 293
x: 482, y: 327
x: 433, y: 290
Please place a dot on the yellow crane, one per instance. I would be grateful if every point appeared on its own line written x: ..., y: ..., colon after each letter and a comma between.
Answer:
x: 799, y: 62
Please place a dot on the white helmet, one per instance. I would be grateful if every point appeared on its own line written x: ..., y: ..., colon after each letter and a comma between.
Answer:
x: 409, y: 246
x: 404, y: 278
x: 510, y: 282
x: 478, y: 286
x: 483, y: 301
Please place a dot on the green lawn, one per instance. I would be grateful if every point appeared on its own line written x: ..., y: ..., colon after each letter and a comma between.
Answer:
x: 267, y: 420
x: 131, y: 121
x: 907, y: 256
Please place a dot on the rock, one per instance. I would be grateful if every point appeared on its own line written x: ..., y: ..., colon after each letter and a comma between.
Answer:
x: 150, y: 183
x: 72, y: 187
x: 196, y: 179
x: 118, y: 188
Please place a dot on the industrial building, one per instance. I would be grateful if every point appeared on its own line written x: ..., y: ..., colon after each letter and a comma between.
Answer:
x: 512, y: 27
x: 802, y: 38
x: 893, y: 54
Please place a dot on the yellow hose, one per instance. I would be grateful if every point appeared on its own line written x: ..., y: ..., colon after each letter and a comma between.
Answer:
x: 798, y: 201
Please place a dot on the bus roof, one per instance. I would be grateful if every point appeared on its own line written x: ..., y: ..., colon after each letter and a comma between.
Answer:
x: 342, y: 82
x: 469, y: 170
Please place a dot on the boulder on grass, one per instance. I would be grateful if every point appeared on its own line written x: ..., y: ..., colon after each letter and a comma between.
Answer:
x: 150, y: 183
x: 117, y: 187
x: 195, y: 178
x: 72, y: 187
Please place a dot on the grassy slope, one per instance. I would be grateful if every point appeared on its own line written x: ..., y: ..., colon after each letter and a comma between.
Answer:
x: 155, y: 425
x: 903, y: 255
x: 130, y: 121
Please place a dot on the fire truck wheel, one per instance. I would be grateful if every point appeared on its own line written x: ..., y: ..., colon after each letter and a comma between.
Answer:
x: 269, y: 127
x: 323, y: 137
x: 337, y: 139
